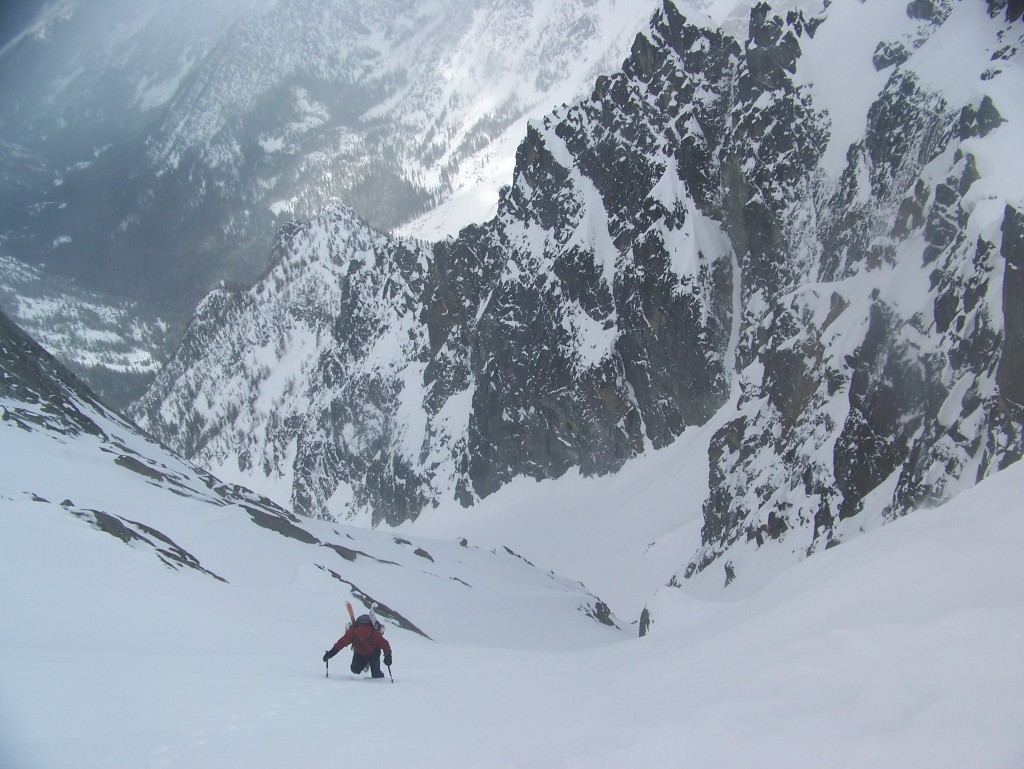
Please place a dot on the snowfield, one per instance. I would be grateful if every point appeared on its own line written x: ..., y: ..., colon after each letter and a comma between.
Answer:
x: 900, y: 648
x: 154, y: 617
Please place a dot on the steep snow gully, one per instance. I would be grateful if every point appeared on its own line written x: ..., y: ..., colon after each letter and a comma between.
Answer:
x: 702, y: 451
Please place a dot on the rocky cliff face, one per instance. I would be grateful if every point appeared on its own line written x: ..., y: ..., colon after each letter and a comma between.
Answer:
x: 873, y: 385
x: 607, y: 327
x: 809, y: 235
x: 299, y: 379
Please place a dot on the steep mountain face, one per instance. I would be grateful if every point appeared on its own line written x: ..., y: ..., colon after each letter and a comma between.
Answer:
x: 156, y: 154
x: 607, y: 326
x: 876, y: 372
x: 298, y: 380
x: 810, y: 235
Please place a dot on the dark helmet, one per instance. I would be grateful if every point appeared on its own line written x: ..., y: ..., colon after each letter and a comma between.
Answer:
x: 364, y: 619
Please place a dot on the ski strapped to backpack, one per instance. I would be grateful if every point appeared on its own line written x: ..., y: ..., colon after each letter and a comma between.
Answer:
x: 377, y: 625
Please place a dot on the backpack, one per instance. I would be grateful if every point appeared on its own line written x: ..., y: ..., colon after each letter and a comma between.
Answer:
x: 371, y: 620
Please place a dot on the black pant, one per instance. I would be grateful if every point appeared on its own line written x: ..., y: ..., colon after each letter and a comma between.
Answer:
x: 362, y: 661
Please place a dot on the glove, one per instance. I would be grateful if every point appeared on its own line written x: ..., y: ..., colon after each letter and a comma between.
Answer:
x: 327, y: 655
x: 387, y: 661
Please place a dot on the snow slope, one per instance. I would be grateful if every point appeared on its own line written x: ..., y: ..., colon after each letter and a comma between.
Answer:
x: 900, y: 648
x: 118, y: 553
x: 623, y: 534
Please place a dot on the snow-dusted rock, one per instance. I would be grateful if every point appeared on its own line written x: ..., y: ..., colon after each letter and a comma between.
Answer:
x: 871, y: 380
x: 586, y: 321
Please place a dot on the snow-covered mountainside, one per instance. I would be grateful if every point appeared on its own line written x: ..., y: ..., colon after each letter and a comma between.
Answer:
x: 810, y: 235
x: 154, y: 616
x: 153, y: 148
x: 71, y: 461
x: 310, y: 364
x: 109, y: 343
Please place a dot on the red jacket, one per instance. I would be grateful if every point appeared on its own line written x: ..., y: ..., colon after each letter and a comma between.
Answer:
x: 364, y: 639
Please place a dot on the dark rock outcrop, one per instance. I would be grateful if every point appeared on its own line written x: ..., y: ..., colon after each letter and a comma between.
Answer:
x: 1010, y: 376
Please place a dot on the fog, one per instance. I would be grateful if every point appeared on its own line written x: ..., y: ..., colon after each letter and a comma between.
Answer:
x: 75, y: 73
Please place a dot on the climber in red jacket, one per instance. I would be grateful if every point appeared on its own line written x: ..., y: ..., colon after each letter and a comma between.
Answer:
x: 367, y: 644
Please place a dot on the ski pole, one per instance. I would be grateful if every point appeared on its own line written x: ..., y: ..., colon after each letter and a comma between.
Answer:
x: 389, y: 673
x: 328, y: 664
